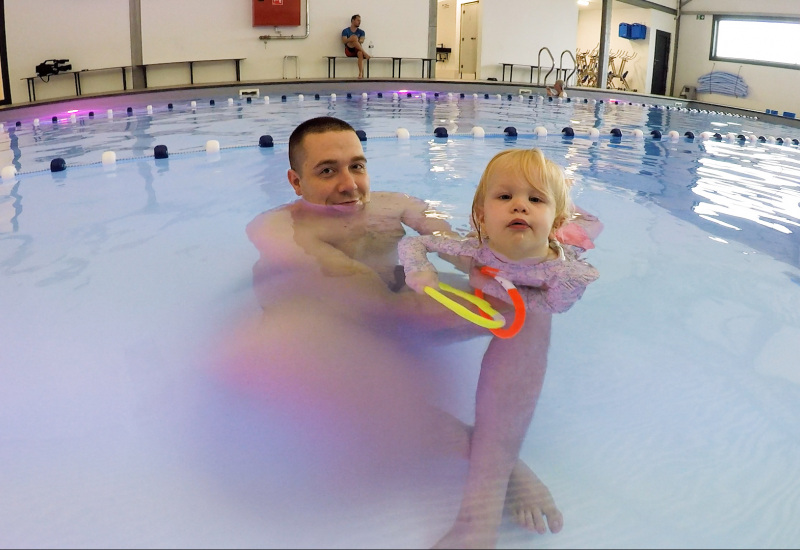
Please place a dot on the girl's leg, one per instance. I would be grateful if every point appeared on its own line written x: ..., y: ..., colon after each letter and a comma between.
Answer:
x: 511, y: 378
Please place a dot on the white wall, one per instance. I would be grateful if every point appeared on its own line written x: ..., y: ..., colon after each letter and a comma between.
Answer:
x: 769, y: 87
x: 513, y: 31
x: 90, y: 33
x: 96, y: 33
x: 589, y: 39
x: 640, y: 68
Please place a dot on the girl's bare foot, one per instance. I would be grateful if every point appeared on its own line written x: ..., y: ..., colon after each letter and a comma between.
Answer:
x: 529, y: 502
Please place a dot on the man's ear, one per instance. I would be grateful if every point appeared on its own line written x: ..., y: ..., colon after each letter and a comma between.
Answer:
x: 294, y: 180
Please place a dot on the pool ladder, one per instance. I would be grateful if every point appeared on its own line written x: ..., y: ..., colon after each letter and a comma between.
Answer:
x: 561, y: 72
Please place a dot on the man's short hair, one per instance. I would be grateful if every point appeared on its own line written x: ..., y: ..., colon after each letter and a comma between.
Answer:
x: 354, y: 17
x: 318, y: 125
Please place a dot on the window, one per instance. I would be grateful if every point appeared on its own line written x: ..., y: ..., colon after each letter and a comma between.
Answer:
x: 757, y: 40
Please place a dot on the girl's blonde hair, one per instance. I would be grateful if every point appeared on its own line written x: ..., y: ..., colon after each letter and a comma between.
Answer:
x: 540, y: 172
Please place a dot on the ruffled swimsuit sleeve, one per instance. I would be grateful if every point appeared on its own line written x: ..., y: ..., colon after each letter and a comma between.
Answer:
x: 553, y: 286
x: 564, y: 283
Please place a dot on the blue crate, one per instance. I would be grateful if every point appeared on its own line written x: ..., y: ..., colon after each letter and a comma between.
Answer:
x: 624, y: 30
x: 638, y: 32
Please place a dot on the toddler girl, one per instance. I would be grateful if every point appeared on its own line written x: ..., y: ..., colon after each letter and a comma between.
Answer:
x: 526, y: 228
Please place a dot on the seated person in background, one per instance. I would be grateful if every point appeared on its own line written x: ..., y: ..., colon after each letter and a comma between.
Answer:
x: 557, y: 89
x: 353, y: 38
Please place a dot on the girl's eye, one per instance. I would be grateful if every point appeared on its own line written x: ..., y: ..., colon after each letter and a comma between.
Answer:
x: 504, y: 196
x: 535, y: 199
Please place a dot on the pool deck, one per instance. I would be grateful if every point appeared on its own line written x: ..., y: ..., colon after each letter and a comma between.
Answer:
x: 143, y: 97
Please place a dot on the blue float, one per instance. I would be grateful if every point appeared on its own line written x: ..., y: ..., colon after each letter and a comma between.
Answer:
x: 160, y: 152
x: 58, y: 165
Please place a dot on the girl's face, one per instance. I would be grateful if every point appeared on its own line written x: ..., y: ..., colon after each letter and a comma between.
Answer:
x: 516, y: 217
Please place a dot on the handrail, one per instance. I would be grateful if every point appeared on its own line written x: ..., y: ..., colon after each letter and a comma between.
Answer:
x: 539, y: 64
x: 561, y: 65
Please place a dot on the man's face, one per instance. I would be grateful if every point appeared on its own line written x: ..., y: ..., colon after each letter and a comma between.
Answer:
x: 356, y: 22
x: 333, y: 170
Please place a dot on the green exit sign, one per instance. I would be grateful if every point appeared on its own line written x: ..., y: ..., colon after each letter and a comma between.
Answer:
x: 701, y: 17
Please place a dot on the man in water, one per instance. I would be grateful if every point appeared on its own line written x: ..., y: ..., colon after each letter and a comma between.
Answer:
x: 325, y: 276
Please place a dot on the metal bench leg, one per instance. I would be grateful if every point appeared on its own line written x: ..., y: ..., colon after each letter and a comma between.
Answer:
x: 290, y: 58
x: 31, y: 89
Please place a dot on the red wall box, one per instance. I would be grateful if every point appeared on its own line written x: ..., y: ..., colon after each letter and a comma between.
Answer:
x: 269, y: 13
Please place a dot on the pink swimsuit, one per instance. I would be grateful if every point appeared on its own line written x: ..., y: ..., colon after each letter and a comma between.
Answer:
x: 550, y: 285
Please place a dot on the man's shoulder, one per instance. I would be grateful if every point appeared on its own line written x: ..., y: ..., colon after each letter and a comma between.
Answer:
x: 396, y: 195
x: 387, y: 194
x: 279, y: 214
x: 403, y: 200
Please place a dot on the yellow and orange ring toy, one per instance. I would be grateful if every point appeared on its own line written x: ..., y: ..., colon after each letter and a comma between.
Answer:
x: 488, y: 318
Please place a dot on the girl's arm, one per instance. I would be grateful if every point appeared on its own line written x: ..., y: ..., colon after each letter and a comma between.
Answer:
x: 413, y: 254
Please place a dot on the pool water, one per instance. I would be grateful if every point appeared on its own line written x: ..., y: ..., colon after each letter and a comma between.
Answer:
x: 670, y: 409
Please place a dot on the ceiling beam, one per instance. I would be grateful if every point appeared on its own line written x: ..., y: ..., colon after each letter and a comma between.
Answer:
x: 650, y: 6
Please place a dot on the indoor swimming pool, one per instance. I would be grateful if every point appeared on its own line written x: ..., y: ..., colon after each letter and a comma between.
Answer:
x: 670, y: 411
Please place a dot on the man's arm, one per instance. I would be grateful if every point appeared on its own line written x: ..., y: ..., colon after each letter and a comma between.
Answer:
x: 293, y: 253
x: 290, y: 246
x: 419, y: 216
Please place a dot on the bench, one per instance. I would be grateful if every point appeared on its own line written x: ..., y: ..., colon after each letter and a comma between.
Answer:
x: 532, y: 68
x: 511, y: 71
x: 426, y: 62
x: 236, y: 60
x: 77, y: 76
